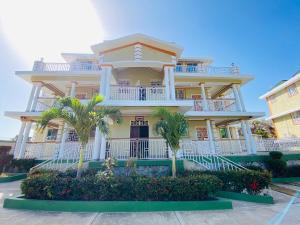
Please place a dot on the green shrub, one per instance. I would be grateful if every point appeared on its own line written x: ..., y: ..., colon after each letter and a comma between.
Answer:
x: 292, y: 171
x: 275, y: 155
x: 238, y: 181
x: 275, y: 164
x: 22, y: 165
x: 56, y: 185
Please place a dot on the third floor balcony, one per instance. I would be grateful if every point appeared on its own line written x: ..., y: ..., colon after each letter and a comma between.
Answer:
x: 40, y: 66
x: 208, y: 70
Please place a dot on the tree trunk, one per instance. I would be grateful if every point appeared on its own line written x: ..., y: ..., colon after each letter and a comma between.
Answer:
x: 80, y: 163
x: 173, y: 164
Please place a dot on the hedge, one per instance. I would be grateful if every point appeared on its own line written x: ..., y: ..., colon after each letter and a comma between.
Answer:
x: 62, y: 186
x: 239, y: 181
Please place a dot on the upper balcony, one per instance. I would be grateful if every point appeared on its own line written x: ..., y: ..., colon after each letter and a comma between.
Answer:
x: 40, y: 66
x: 208, y: 70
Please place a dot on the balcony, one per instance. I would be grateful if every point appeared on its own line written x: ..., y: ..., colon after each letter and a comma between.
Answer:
x: 216, y: 105
x: 137, y: 93
x: 40, y: 66
x: 209, y: 70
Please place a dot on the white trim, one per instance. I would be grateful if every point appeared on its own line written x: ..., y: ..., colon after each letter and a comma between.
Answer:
x: 283, y: 113
x: 287, y: 83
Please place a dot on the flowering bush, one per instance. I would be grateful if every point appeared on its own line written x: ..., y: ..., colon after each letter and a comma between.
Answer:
x: 238, y: 181
x: 56, y: 185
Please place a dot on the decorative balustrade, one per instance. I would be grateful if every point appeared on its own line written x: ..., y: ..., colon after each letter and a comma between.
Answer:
x: 271, y: 144
x: 40, y: 66
x: 137, y: 93
x: 208, y: 70
x: 123, y: 149
x: 50, y: 150
x: 231, y: 146
x: 223, y: 105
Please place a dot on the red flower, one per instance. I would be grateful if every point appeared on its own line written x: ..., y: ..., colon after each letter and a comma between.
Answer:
x: 254, y: 185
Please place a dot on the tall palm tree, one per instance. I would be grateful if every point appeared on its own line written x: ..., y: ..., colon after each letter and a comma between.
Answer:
x: 82, y: 117
x: 172, y: 127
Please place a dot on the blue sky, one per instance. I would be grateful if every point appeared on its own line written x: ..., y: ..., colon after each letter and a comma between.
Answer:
x: 262, y: 37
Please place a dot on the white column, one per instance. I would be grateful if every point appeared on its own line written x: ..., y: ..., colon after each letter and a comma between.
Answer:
x: 172, y: 83
x: 203, y: 94
x: 246, y: 136
x: 66, y: 127
x: 228, y: 132
x: 240, y: 97
x: 25, y: 139
x: 97, y: 147
x: 107, y: 81
x: 102, y: 84
x: 103, y: 148
x: 211, y: 137
x: 29, y: 104
x: 251, y: 139
x: 36, y: 97
x: 237, y: 98
x: 167, y: 82
x: 19, y: 140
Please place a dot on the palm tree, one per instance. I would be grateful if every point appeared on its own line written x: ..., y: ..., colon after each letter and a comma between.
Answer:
x: 82, y: 117
x: 172, y: 127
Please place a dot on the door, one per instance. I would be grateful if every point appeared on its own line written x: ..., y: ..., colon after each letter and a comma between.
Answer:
x: 139, y: 143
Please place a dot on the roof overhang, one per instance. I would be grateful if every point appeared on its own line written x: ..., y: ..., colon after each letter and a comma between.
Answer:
x: 115, y: 44
x: 282, y: 86
x: 284, y: 113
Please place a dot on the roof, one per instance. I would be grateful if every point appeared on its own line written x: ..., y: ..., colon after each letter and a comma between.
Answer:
x: 137, y: 38
x: 281, y: 85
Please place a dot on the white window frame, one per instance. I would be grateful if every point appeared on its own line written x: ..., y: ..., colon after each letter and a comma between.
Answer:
x: 296, y: 117
x: 292, y: 90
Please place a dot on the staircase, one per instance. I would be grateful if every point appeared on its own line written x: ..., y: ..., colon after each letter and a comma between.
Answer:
x: 68, y: 160
x: 209, y: 161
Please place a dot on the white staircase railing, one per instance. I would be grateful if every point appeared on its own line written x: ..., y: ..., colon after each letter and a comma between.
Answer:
x: 207, y: 160
x: 69, y: 158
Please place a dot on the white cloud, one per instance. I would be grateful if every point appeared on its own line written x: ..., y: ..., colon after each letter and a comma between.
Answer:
x: 45, y: 28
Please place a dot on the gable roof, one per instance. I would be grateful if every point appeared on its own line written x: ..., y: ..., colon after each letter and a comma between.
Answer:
x: 281, y: 85
x: 112, y: 45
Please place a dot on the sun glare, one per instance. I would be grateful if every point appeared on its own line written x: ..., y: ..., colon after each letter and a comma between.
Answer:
x: 37, y: 28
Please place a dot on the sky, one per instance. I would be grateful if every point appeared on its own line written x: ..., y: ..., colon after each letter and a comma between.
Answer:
x: 260, y: 36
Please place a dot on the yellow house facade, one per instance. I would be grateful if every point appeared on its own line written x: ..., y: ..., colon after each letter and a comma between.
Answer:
x: 284, y: 106
x: 138, y: 74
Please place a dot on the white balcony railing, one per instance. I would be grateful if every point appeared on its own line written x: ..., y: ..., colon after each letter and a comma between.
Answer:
x: 40, y: 66
x: 231, y: 146
x: 123, y: 149
x: 219, y: 105
x: 208, y: 70
x: 50, y: 150
x: 137, y: 93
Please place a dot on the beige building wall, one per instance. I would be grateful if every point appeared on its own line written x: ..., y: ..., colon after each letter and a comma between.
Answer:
x: 281, y: 101
x: 137, y: 76
x: 285, y: 127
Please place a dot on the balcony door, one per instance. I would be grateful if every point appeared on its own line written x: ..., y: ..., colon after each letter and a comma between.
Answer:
x: 139, y: 139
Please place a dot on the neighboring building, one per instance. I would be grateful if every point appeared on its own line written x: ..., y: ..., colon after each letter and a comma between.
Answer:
x: 138, y: 73
x: 284, y: 106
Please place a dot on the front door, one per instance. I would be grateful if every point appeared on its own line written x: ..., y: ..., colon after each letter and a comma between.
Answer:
x: 139, y: 139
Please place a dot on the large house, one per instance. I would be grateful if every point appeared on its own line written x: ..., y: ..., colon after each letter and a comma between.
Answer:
x: 284, y: 106
x: 138, y: 73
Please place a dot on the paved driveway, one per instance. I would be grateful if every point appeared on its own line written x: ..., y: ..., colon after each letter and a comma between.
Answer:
x: 242, y: 214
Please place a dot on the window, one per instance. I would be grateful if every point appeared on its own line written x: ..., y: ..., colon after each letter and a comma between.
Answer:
x: 72, y: 136
x: 201, y: 133
x: 272, y: 99
x: 296, y: 117
x: 123, y: 83
x: 196, y: 97
x: 292, y: 90
x: 180, y: 94
x: 155, y: 83
x: 51, y: 134
x: 223, y: 133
